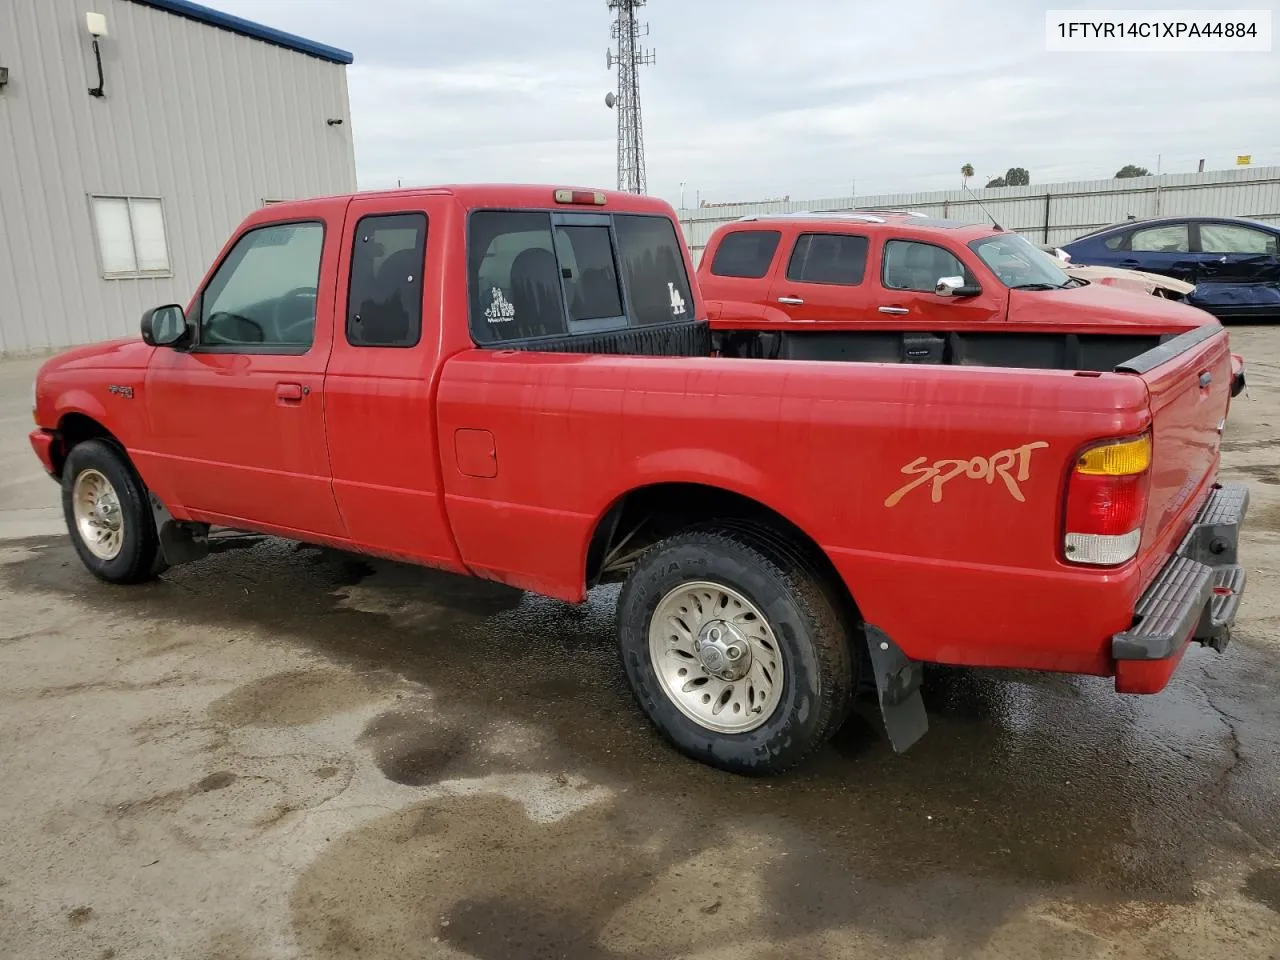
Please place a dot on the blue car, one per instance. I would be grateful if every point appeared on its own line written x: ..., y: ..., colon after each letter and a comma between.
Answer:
x: 1234, y: 263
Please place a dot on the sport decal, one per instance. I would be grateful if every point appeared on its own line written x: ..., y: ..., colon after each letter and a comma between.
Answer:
x: 1001, y: 464
x: 500, y: 309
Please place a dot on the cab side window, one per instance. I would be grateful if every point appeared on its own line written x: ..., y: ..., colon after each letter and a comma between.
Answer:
x: 384, y: 299
x: 828, y: 258
x: 262, y: 298
x: 909, y: 265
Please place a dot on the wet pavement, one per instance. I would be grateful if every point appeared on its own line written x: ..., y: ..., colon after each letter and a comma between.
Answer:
x: 283, y: 751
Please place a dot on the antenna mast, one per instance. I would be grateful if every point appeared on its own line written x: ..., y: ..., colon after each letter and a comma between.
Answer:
x: 626, y: 32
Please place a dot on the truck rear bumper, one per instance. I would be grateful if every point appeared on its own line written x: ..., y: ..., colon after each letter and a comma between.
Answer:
x: 1194, y: 597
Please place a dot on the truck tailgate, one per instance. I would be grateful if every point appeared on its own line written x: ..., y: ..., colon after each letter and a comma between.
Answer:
x: 1188, y: 381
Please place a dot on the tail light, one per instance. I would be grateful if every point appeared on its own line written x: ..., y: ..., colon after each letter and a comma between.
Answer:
x: 1107, y: 502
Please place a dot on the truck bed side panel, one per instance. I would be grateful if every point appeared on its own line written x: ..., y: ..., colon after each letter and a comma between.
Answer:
x: 936, y: 491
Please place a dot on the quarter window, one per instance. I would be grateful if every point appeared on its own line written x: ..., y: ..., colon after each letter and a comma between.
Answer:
x: 1233, y: 238
x: 745, y: 254
x: 263, y: 295
x: 828, y: 258
x: 909, y: 265
x: 131, y: 237
x: 384, y: 300
x: 1171, y: 238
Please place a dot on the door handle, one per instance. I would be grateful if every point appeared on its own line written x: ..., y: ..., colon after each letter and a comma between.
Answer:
x: 290, y: 392
x: 894, y: 310
x: 1206, y: 378
x: 792, y: 301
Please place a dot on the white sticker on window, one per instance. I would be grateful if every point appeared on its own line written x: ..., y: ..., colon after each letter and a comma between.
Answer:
x: 500, y: 309
x: 677, y: 301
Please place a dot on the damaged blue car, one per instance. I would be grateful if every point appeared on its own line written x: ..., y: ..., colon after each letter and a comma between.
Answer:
x: 1234, y: 263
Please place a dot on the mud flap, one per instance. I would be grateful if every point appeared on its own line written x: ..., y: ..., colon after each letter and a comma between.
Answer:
x: 179, y: 542
x: 898, y: 680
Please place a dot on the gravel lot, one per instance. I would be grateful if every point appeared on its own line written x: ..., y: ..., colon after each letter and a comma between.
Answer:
x: 284, y: 751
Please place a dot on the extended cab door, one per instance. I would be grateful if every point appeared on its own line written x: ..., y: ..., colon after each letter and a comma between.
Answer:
x: 824, y: 279
x: 237, y: 418
x: 382, y: 374
x: 909, y: 275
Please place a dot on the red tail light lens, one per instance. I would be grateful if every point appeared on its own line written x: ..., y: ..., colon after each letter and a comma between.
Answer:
x: 1107, y: 502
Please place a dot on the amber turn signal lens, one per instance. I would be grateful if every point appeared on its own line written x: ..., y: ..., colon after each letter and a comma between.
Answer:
x: 1122, y: 459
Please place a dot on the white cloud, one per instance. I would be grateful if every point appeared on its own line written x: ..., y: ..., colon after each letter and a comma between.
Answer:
x: 755, y: 97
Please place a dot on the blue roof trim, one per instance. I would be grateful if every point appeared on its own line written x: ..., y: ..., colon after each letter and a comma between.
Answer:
x: 216, y: 18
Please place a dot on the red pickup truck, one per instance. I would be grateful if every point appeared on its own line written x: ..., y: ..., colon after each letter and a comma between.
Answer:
x: 519, y: 383
x: 784, y: 279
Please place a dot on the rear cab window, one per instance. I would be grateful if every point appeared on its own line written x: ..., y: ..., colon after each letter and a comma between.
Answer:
x: 541, y: 273
x: 746, y: 254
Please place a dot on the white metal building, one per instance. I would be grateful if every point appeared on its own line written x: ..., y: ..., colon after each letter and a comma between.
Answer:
x: 1045, y: 212
x: 119, y: 186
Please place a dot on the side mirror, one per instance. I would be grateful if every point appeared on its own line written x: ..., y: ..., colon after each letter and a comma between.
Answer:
x: 954, y: 287
x: 164, y: 326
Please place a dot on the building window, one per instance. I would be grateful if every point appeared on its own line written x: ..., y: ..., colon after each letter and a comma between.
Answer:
x: 131, y: 237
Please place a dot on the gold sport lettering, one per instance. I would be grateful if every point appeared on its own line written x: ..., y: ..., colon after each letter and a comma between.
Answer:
x: 1013, y: 467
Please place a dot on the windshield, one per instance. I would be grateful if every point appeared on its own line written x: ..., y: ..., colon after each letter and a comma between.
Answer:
x: 1018, y: 264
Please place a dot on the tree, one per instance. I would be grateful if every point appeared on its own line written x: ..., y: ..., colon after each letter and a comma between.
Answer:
x: 1132, y: 170
x: 997, y: 182
x: 965, y: 173
x: 1017, y: 177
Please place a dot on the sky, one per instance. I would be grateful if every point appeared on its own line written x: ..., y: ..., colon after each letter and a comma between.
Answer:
x: 755, y: 99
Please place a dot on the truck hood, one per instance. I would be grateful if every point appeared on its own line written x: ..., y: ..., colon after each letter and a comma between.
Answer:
x: 127, y: 353
x: 1097, y: 304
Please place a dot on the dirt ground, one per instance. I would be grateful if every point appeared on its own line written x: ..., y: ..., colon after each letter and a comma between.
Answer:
x: 286, y: 752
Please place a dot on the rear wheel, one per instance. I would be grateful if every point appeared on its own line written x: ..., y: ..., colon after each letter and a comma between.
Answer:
x: 735, y: 649
x: 107, y: 514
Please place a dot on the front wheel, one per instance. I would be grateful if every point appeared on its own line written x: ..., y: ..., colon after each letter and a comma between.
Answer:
x: 107, y: 514
x: 735, y: 649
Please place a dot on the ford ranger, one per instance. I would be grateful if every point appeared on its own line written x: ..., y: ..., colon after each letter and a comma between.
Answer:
x: 518, y: 383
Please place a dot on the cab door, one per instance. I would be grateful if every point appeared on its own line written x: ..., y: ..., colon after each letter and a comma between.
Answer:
x: 824, y: 279
x: 237, y: 417
x: 909, y: 275
x: 382, y: 375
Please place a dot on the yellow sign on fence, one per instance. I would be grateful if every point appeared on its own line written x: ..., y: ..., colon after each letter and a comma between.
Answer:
x: 1244, y: 159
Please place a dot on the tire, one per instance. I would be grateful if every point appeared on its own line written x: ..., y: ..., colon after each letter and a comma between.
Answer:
x: 117, y: 539
x: 803, y: 631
